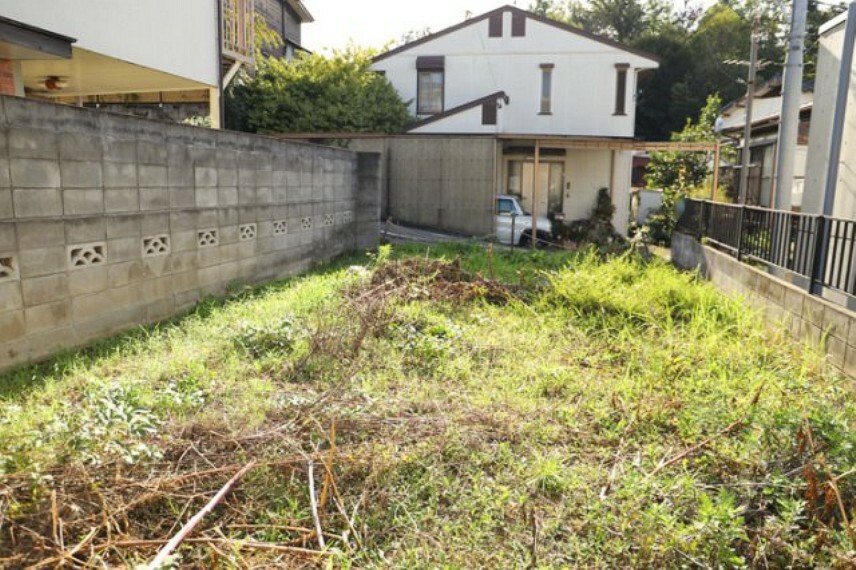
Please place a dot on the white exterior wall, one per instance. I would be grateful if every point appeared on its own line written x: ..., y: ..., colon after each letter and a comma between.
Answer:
x: 826, y: 87
x: 469, y: 121
x: 476, y: 65
x: 586, y: 172
x: 176, y: 37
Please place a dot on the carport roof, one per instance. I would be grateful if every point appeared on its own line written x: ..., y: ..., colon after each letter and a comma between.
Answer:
x: 578, y: 142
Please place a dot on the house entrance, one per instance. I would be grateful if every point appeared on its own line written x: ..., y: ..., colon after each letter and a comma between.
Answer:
x: 551, y: 177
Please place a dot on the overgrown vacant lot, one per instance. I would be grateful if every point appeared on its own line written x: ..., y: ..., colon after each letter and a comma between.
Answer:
x: 568, y: 412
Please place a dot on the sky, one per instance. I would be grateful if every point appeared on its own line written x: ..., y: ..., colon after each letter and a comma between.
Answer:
x: 374, y: 23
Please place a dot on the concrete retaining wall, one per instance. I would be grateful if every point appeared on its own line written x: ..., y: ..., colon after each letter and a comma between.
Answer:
x: 108, y: 221
x: 808, y: 318
x: 443, y: 182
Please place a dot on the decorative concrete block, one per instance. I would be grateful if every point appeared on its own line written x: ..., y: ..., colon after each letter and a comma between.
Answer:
x: 33, y: 173
x: 86, y: 255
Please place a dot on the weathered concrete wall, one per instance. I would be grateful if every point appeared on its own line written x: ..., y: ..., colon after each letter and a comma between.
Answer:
x: 109, y: 221
x: 786, y: 307
x: 443, y: 182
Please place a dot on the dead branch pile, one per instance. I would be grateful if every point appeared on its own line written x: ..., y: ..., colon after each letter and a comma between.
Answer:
x: 417, y: 279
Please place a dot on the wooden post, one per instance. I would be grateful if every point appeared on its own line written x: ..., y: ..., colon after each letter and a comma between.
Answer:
x: 714, y: 187
x: 535, y: 180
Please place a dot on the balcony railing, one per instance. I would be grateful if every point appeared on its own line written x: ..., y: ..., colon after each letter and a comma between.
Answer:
x: 239, y: 30
x: 819, y: 248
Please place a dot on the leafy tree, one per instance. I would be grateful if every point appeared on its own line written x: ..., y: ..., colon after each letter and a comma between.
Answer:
x: 313, y: 93
x: 676, y: 173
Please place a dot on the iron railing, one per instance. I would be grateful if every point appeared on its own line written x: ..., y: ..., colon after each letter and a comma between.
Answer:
x: 820, y: 248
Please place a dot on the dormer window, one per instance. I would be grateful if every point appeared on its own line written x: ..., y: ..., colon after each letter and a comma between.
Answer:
x: 430, y: 88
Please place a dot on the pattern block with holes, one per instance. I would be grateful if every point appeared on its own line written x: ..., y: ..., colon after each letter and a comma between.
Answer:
x: 87, y: 255
x: 280, y: 227
x: 207, y: 238
x: 8, y: 268
x: 347, y: 217
x: 328, y: 220
x: 306, y: 223
x: 247, y: 232
x: 155, y: 246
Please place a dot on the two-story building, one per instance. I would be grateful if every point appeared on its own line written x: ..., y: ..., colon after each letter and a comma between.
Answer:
x: 286, y: 18
x: 557, y: 103
x: 158, y: 59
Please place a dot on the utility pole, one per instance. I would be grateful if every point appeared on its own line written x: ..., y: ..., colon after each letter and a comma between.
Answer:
x: 790, y: 113
x: 750, y: 96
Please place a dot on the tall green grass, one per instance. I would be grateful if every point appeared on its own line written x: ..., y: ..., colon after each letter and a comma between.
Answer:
x: 535, y: 432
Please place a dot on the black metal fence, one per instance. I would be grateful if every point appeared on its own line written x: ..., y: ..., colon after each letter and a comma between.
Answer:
x: 820, y: 248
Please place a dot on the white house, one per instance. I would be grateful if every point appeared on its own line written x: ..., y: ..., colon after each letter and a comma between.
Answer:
x: 830, y: 49
x: 132, y: 52
x: 539, y: 87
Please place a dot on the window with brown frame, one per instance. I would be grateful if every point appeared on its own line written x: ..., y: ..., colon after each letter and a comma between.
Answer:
x: 518, y: 25
x: 495, y: 26
x: 546, y: 88
x: 430, y: 84
x: 621, y: 88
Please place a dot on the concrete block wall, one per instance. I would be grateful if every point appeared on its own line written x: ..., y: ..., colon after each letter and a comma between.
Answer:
x: 107, y: 221
x: 786, y: 307
x: 443, y: 182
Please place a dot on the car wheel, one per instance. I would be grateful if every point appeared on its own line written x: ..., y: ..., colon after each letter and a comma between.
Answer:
x: 525, y: 240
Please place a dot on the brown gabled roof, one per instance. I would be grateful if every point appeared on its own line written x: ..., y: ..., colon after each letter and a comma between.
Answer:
x: 460, y: 109
x: 516, y: 10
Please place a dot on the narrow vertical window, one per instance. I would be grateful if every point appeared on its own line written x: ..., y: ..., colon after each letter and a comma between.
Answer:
x: 621, y: 88
x: 430, y: 85
x: 518, y: 25
x: 546, y: 88
x: 495, y: 25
